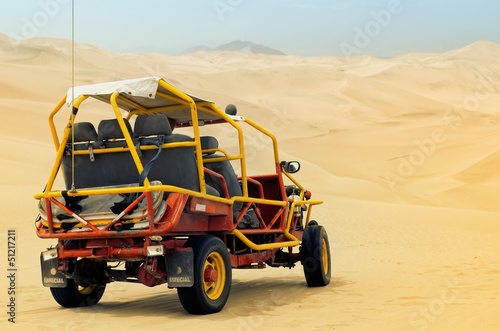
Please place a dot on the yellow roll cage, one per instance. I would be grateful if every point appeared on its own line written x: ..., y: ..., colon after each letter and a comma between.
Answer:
x: 187, y: 110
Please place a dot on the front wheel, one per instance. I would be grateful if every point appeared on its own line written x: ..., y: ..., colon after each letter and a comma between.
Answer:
x: 316, y: 255
x: 74, y: 295
x: 212, y: 276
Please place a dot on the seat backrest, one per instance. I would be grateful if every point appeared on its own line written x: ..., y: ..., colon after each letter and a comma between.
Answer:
x: 151, y: 125
x: 222, y: 167
x: 85, y: 136
x: 83, y: 132
x: 110, y: 133
x: 175, y: 166
x: 208, y: 143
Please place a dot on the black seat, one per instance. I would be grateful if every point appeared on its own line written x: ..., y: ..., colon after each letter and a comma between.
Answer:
x: 222, y: 167
x: 173, y: 166
x: 84, y: 132
x: 110, y: 133
x: 100, y: 169
x: 85, y: 136
x: 208, y: 144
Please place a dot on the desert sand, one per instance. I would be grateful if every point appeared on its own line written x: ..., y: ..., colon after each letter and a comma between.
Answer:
x: 404, y: 152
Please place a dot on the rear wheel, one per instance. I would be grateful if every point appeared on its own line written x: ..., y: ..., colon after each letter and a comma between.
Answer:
x: 316, y: 256
x: 212, y: 276
x: 74, y: 295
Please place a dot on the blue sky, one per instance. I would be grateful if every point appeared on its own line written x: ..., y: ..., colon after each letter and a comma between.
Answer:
x: 310, y: 27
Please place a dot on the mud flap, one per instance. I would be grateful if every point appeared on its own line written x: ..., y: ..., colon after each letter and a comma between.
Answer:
x: 50, y: 276
x: 180, y: 268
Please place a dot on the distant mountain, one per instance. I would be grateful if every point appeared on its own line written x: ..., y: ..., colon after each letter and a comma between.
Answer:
x: 195, y: 49
x: 236, y: 46
x: 247, y: 47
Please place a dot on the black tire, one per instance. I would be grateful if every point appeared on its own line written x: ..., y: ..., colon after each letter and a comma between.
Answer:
x: 315, y: 257
x: 206, y: 296
x: 74, y: 295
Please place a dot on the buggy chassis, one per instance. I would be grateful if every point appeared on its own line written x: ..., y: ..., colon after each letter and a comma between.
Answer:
x: 167, y: 229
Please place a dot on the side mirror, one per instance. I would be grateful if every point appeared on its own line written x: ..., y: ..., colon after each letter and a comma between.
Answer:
x: 290, y: 167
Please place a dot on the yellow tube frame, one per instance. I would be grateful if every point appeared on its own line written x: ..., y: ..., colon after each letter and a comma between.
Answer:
x: 293, y: 241
x: 196, y: 130
x: 183, y: 100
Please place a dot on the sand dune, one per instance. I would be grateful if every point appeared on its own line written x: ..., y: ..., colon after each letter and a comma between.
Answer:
x: 403, y: 151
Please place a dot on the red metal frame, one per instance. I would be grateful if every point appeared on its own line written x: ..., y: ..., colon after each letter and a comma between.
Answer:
x: 175, y: 206
x: 185, y: 216
x: 221, y: 178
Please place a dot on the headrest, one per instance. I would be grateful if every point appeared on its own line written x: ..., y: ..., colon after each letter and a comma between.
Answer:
x: 151, y: 125
x: 209, y: 142
x: 110, y: 129
x: 84, y: 131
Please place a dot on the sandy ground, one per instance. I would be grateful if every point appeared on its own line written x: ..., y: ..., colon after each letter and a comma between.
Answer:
x: 404, y: 152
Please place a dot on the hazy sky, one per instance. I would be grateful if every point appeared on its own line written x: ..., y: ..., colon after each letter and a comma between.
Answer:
x: 313, y: 27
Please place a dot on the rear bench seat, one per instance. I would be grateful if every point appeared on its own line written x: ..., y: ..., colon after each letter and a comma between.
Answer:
x: 101, y: 169
x: 174, y: 166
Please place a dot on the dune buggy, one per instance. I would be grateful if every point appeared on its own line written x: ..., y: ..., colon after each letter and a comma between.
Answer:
x: 150, y: 205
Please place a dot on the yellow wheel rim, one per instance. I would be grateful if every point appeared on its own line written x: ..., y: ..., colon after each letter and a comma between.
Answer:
x: 325, y: 256
x: 86, y: 290
x: 214, y: 285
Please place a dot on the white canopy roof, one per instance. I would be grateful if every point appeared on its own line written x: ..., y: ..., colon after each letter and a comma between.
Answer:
x: 141, y: 91
x: 138, y: 87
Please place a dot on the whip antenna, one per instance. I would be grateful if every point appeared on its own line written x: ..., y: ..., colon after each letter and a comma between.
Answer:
x: 72, y: 95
